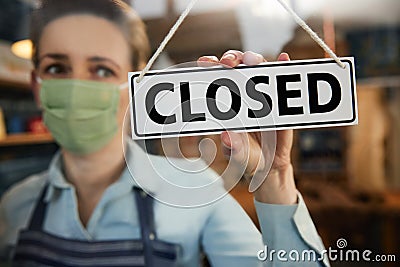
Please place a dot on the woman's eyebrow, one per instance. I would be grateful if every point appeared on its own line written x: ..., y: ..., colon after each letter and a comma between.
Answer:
x: 102, y: 59
x: 54, y: 56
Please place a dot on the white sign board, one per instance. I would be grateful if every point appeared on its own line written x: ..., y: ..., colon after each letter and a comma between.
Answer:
x: 270, y: 96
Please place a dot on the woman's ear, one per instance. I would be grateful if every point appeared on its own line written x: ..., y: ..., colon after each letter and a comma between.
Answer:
x: 35, y: 86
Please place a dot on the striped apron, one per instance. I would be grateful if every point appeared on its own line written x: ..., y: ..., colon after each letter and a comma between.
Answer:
x: 35, y: 247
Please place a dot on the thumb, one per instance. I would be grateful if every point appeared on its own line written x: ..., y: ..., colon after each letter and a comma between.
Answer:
x: 245, y: 151
x: 234, y: 147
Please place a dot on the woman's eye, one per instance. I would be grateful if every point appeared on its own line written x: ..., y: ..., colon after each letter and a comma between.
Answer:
x: 104, y: 72
x: 56, y: 69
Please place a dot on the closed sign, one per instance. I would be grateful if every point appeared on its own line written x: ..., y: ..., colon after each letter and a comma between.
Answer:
x: 270, y: 96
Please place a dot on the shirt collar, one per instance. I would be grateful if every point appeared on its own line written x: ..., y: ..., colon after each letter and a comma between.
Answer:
x: 138, y: 167
x: 56, y: 179
x: 166, y: 179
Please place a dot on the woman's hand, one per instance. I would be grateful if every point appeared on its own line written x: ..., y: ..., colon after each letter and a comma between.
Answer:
x: 253, y: 150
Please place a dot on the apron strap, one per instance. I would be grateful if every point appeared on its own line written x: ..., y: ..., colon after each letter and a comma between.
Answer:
x: 39, y: 212
x: 144, y: 204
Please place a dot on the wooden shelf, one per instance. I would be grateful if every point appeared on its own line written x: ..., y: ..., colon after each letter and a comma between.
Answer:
x: 381, y: 82
x: 26, y: 139
x: 17, y: 84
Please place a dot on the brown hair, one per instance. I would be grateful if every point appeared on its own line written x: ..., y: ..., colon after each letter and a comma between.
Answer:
x: 115, y: 11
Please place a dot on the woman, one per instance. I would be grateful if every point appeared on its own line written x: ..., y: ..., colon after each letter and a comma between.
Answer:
x: 86, y: 210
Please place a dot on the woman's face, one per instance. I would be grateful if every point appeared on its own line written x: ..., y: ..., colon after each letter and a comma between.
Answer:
x: 85, y: 47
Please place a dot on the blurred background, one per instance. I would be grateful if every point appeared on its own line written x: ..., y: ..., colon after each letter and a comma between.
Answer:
x: 349, y: 176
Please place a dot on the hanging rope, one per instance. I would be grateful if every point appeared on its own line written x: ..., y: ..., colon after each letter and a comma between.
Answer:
x: 184, y: 14
x: 312, y: 34
x: 166, y: 40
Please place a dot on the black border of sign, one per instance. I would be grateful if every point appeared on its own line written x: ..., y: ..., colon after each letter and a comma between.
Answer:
x: 287, y: 63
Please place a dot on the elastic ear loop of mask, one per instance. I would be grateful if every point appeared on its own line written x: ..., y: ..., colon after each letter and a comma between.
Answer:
x: 181, y: 18
x: 123, y: 86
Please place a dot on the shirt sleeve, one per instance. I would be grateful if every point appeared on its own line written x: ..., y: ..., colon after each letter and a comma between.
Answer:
x: 229, y: 237
x: 289, y: 235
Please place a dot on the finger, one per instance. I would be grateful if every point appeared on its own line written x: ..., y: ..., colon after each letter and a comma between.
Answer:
x: 244, y: 151
x: 251, y: 58
x: 284, y: 141
x: 231, y: 140
x: 232, y: 58
x: 283, y: 57
x: 235, y: 149
x: 207, y: 61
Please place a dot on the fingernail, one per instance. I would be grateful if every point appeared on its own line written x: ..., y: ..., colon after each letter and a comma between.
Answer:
x: 226, y: 140
x: 208, y: 59
x: 251, y: 58
x: 283, y: 56
x: 207, y: 62
x: 229, y: 57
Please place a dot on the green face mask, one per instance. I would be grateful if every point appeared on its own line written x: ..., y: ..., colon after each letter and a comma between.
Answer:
x: 80, y: 114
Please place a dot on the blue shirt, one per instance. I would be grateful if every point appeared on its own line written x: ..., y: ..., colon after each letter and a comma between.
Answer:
x: 220, y: 228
